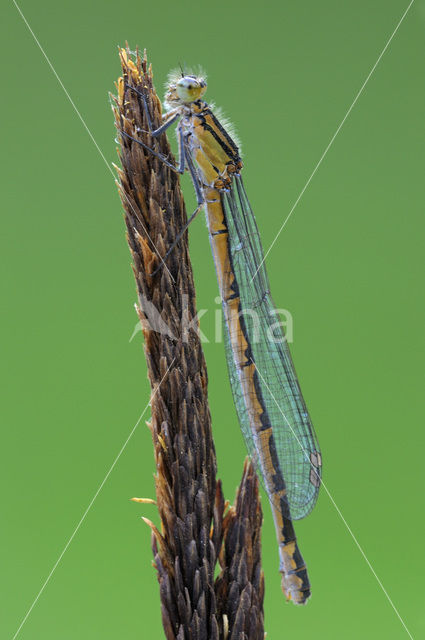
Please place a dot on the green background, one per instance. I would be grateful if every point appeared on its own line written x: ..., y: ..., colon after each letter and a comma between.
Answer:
x: 346, y: 266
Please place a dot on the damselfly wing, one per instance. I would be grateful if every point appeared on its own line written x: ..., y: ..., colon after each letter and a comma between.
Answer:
x: 276, y: 384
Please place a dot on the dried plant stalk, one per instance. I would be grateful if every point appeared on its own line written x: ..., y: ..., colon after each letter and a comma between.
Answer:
x: 190, y: 500
x: 240, y: 587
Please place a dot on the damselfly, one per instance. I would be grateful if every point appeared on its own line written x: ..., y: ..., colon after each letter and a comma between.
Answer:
x: 273, y: 416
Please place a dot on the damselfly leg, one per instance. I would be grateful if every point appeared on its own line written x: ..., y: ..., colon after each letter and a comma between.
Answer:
x: 185, y: 161
x: 152, y: 151
x: 168, y: 121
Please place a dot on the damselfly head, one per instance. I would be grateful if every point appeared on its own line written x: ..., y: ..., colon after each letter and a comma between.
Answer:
x: 185, y: 89
x: 190, y: 88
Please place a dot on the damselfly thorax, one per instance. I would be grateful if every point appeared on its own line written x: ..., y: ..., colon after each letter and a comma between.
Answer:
x: 210, y: 146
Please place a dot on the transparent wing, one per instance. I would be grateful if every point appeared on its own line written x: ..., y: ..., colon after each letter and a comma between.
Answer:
x: 296, y: 444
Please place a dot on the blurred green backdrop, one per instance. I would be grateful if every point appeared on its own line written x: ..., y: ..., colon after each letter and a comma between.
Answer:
x: 346, y: 266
